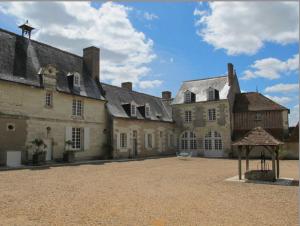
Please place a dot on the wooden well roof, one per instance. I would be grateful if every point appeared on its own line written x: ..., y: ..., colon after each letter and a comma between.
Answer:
x: 257, y: 137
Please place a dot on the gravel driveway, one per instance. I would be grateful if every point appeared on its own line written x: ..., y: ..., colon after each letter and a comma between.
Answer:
x: 165, y: 191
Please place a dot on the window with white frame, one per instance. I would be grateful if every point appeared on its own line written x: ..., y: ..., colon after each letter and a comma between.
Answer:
x: 123, y: 140
x: 188, y: 141
x: 149, y: 140
x: 76, y: 80
x: 147, y: 110
x: 193, y: 142
x: 77, y: 108
x: 187, y: 96
x: 213, y: 141
x: 188, y: 116
x: 133, y: 110
x: 208, y: 141
x: 211, y: 114
x: 48, y: 99
x: 76, y: 138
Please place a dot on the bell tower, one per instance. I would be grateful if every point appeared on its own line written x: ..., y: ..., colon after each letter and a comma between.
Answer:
x: 26, y: 29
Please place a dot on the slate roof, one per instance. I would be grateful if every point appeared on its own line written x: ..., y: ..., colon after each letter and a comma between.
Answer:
x: 257, y: 137
x: 117, y: 97
x: 200, y: 86
x: 254, y: 101
x: 21, y: 59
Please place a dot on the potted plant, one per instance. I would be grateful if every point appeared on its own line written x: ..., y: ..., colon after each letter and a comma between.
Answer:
x: 69, y: 154
x: 39, y: 153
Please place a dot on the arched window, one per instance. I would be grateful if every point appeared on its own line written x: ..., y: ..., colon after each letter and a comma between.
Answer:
x: 213, y: 141
x: 188, y: 141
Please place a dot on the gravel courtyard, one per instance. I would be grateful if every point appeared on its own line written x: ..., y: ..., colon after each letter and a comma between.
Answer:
x: 165, y: 191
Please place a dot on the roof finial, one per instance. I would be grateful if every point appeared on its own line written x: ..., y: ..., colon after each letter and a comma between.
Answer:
x: 26, y: 29
x: 256, y: 89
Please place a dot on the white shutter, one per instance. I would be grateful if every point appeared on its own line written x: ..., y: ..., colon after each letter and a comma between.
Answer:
x: 146, y: 140
x: 86, y: 136
x: 128, y: 140
x: 118, y: 140
x: 153, y: 140
x: 68, y: 133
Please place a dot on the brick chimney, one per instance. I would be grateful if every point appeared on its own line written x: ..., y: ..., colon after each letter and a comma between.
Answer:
x: 230, y: 73
x: 91, y: 61
x: 166, y: 95
x: 127, y: 85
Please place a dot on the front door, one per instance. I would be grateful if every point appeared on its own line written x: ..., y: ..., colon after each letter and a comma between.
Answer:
x: 48, y: 142
x: 134, y: 144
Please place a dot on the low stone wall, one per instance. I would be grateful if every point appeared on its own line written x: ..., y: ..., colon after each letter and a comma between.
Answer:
x: 263, y: 175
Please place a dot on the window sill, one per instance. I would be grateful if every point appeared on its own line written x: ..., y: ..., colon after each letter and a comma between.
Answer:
x: 74, y: 117
x: 48, y: 107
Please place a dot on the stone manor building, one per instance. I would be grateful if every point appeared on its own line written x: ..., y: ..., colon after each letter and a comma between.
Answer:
x: 56, y: 96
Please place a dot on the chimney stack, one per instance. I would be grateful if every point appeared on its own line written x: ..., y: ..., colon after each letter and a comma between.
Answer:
x: 166, y: 95
x: 230, y: 73
x: 127, y: 85
x: 91, y: 61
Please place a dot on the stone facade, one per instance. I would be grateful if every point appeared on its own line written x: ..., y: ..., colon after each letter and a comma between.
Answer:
x: 163, y: 138
x: 24, y: 107
x: 201, y: 125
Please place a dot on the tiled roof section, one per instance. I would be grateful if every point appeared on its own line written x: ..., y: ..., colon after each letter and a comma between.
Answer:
x: 21, y: 60
x: 200, y: 87
x: 118, y: 97
x: 257, y: 137
x: 254, y: 101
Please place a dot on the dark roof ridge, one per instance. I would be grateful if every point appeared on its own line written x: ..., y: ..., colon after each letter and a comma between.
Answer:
x: 130, y: 90
x: 41, y: 43
x: 205, y: 78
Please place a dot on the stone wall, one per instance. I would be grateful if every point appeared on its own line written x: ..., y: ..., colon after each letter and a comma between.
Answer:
x: 160, y: 131
x: 200, y: 124
x: 24, y: 106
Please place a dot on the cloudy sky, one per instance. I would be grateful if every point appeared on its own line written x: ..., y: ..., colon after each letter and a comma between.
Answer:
x: 158, y: 45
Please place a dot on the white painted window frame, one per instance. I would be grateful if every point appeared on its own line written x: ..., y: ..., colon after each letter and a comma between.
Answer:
x: 187, y: 116
x: 77, y: 108
x: 212, y: 115
x: 76, y: 81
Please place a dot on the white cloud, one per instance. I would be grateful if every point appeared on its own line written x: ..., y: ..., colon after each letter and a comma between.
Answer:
x: 280, y: 100
x: 294, y: 116
x: 125, y: 52
x: 284, y: 88
x: 244, y: 27
x: 271, y: 68
x: 150, y: 16
x: 150, y: 84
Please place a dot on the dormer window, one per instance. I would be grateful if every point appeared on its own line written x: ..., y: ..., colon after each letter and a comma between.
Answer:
x: 147, y: 111
x: 212, y: 94
x: 189, y: 97
x: 133, y: 109
x: 76, y: 80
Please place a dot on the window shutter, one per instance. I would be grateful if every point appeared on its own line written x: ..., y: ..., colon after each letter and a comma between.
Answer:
x: 146, y: 140
x: 86, y: 136
x: 153, y: 140
x: 128, y: 140
x: 68, y: 133
x: 118, y: 136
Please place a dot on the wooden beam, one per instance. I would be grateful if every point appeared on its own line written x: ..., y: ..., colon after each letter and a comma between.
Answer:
x: 247, y: 158
x: 240, y: 161
x: 273, y: 166
x: 277, y: 161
